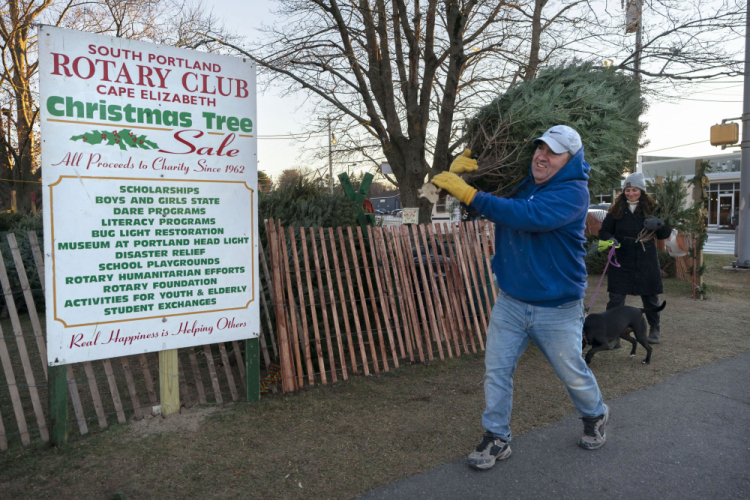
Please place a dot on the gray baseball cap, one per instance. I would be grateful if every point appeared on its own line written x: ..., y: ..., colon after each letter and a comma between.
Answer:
x: 560, y: 139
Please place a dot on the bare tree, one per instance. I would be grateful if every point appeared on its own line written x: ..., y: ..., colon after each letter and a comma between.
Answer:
x: 391, y: 70
x: 170, y: 22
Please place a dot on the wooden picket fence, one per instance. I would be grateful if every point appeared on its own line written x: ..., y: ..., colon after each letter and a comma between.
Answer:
x: 334, y: 302
x: 123, y: 388
x: 349, y: 302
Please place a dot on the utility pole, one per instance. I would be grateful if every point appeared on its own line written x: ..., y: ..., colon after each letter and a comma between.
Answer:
x: 634, y: 24
x: 743, y: 229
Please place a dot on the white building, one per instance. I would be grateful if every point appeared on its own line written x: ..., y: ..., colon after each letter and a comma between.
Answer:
x: 724, y: 178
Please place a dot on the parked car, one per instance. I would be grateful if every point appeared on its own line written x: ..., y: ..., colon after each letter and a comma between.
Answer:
x: 397, y: 213
x: 381, y: 211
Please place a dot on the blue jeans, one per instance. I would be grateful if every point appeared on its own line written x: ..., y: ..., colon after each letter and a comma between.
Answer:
x: 557, y: 332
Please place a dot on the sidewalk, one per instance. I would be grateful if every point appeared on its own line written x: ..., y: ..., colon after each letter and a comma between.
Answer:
x: 687, y: 438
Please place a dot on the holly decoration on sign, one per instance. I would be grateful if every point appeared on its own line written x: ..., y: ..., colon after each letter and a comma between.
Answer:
x: 123, y: 139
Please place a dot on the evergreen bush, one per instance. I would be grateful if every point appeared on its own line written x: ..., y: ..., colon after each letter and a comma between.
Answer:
x: 603, y: 105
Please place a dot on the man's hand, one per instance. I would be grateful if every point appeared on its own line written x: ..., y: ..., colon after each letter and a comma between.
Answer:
x: 464, y: 163
x: 455, y: 186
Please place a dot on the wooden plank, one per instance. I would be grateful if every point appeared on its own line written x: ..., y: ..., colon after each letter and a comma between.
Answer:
x: 445, y: 307
x: 37, y: 253
x: 371, y: 297
x: 264, y: 305
x: 406, y: 248
x: 470, y: 255
x: 252, y: 370
x: 169, y: 382
x: 212, y: 373
x: 362, y: 352
x: 363, y: 298
x: 313, y: 310
x: 332, y: 295
x: 482, y: 271
x: 390, y: 289
x: 454, y: 288
x: 15, y: 397
x: 240, y: 361
x: 440, y: 315
x: 97, y: 400
x: 487, y: 242
x: 149, y: 381
x: 342, y: 296
x: 456, y: 307
x: 323, y: 308
x: 23, y: 353
x: 197, y: 376
x: 3, y: 437
x: 228, y: 371
x: 292, y: 307
x: 401, y: 281
x: 116, y: 393
x: 75, y: 398
x: 58, y: 405
x: 382, y: 300
x: 131, y: 388
x: 184, y: 394
x: 425, y: 288
x: 288, y: 378
x: 305, y: 329
x: 467, y: 293
x: 29, y: 297
x: 408, y: 293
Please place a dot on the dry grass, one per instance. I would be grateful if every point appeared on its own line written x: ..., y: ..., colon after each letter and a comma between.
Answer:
x: 340, y: 441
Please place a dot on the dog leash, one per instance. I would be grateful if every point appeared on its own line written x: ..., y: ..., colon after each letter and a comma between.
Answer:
x: 611, y: 259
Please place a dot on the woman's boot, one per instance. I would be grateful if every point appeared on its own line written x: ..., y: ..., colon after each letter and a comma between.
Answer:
x: 653, y: 334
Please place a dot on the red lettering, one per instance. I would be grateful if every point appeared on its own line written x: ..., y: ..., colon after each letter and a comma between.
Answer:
x: 178, y: 137
x: 74, y: 341
x: 242, y: 88
x: 61, y: 61
x: 226, y: 142
x: 144, y: 73
x: 184, y: 82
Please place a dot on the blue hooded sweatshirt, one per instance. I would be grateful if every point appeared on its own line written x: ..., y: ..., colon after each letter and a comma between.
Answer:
x: 539, y: 236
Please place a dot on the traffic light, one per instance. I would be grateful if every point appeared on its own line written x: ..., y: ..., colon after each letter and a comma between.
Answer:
x: 725, y: 134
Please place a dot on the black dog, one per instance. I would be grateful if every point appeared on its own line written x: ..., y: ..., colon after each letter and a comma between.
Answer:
x: 600, y: 329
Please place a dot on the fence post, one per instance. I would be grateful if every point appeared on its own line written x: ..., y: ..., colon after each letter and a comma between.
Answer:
x: 169, y: 382
x: 252, y: 370
x: 58, y: 404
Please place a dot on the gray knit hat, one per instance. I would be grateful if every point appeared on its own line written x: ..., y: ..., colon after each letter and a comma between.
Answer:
x: 635, y: 180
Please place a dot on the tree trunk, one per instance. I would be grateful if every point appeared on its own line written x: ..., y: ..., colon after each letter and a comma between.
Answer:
x: 536, y: 35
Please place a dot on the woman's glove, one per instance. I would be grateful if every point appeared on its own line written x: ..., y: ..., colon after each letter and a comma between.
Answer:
x: 605, y: 244
x: 464, y: 163
x: 455, y: 186
x: 653, y: 223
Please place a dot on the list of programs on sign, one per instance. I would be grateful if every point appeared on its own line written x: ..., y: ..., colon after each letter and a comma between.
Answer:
x: 149, y: 176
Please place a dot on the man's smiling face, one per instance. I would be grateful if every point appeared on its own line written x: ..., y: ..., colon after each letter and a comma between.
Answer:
x: 546, y: 163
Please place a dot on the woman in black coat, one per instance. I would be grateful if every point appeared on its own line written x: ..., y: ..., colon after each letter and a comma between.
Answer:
x: 639, y: 272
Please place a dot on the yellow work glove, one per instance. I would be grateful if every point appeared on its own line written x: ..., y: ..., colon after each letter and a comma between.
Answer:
x: 463, y: 163
x: 455, y: 186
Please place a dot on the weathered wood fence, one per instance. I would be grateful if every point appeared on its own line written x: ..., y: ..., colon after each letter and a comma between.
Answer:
x: 349, y: 302
x: 334, y: 302
x: 100, y: 391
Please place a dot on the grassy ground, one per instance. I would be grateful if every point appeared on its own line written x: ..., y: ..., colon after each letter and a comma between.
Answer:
x: 340, y: 441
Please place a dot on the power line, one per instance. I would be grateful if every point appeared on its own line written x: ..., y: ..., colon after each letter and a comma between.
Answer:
x: 673, y: 147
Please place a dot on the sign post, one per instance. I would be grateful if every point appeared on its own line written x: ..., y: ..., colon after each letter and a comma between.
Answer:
x: 149, y: 157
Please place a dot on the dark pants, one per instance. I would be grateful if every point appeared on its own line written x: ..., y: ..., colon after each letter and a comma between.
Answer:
x: 649, y: 301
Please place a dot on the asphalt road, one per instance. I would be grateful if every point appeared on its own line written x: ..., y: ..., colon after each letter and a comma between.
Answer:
x: 686, y: 438
x: 719, y: 244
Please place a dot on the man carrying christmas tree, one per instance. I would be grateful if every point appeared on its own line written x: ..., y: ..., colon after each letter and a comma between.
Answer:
x: 539, y: 242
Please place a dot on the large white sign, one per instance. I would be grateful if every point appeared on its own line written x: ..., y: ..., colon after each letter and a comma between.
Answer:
x: 149, y: 177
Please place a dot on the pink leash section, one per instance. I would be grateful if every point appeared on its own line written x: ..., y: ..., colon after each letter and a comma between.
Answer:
x: 611, y: 259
